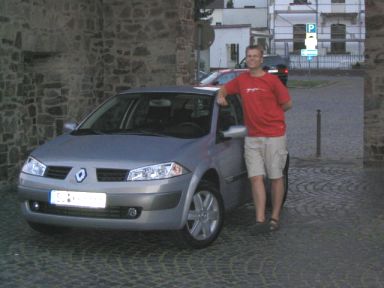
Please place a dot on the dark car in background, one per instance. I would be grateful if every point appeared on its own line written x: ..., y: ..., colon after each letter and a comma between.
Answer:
x: 273, y: 64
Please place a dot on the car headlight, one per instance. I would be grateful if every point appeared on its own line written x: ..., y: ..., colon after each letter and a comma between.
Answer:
x: 34, y: 167
x: 156, y: 172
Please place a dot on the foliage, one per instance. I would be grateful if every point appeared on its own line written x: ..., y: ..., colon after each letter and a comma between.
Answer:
x: 200, y: 9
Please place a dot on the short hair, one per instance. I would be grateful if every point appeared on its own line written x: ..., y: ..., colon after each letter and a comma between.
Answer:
x: 256, y: 47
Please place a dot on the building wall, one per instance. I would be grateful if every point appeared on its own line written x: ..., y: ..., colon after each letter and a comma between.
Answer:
x: 374, y: 87
x: 243, y: 3
x: 256, y: 17
x: 219, y: 56
x: 61, y: 58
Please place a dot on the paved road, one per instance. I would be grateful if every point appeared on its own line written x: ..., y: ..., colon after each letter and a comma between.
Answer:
x: 342, y: 113
x: 332, y: 231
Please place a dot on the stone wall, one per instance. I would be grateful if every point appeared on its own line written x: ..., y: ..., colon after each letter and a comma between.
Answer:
x: 374, y: 84
x: 60, y: 58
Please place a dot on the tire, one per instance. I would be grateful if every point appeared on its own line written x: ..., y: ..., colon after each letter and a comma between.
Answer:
x: 47, y: 229
x: 205, y: 217
x: 268, y: 185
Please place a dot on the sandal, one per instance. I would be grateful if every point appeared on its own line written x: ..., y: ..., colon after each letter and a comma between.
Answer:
x: 274, y: 224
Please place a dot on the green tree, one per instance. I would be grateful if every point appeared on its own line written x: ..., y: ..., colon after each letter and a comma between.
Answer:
x: 200, y: 9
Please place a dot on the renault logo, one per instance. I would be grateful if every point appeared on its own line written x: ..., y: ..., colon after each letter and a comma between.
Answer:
x: 81, y: 175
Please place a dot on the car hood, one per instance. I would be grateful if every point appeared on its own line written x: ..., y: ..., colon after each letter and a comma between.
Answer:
x: 115, y: 151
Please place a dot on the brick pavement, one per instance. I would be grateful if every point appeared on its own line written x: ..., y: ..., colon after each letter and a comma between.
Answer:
x: 332, y: 235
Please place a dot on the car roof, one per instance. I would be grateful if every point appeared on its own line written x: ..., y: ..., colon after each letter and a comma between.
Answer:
x: 230, y: 70
x: 172, y: 89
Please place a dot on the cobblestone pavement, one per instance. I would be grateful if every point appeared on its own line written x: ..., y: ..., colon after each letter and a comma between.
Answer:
x: 332, y: 235
x: 342, y: 114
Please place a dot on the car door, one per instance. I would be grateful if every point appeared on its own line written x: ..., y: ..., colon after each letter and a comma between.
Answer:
x: 231, y: 154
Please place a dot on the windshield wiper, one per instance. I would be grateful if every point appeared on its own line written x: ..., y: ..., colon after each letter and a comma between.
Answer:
x: 144, y: 132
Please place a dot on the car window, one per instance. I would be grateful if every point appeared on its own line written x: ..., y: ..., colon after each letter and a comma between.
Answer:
x: 273, y: 60
x: 226, y: 77
x: 231, y: 114
x: 168, y: 114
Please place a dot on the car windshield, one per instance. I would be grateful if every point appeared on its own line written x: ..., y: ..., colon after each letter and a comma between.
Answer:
x: 273, y: 60
x: 154, y: 114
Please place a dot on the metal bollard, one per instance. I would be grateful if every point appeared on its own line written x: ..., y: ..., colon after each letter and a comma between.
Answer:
x: 318, y: 138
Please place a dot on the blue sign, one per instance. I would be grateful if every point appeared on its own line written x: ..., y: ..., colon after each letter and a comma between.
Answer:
x: 309, y: 52
x: 310, y: 28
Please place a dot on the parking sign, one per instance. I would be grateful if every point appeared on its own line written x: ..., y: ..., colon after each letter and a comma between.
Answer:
x: 310, y: 28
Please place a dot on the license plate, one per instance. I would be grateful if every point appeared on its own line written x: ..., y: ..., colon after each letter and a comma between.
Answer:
x: 78, y: 199
x: 273, y: 71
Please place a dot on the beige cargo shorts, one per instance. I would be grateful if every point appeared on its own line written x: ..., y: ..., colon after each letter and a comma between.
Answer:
x: 265, y: 156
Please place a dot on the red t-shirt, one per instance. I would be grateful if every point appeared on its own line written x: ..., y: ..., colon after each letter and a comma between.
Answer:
x: 262, y: 98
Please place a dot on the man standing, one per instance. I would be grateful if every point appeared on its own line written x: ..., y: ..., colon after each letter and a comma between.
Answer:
x: 264, y: 100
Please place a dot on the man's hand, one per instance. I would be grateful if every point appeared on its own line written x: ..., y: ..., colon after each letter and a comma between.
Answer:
x: 220, y: 98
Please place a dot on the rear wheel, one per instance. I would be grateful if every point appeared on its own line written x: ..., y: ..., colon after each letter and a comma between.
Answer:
x: 205, y: 217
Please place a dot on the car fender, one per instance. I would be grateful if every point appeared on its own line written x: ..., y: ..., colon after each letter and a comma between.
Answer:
x: 199, y: 172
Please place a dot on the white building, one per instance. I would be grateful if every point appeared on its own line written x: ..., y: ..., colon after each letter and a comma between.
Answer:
x: 229, y: 45
x: 279, y: 25
x: 235, y: 28
x: 340, y: 30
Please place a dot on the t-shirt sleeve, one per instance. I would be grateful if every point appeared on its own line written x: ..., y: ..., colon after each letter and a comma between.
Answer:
x: 232, y: 87
x: 282, y: 92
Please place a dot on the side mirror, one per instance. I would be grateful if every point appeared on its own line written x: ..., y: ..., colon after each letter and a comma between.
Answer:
x: 69, y: 127
x: 235, y: 131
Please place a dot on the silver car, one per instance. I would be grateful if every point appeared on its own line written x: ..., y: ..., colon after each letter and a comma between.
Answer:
x: 165, y: 158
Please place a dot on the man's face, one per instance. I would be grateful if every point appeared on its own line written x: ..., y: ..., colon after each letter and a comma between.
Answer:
x: 254, y: 58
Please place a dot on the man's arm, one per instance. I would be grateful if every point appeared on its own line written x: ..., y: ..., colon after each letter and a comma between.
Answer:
x: 221, y: 94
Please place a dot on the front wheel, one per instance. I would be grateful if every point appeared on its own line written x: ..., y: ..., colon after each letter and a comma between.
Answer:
x: 205, y: 217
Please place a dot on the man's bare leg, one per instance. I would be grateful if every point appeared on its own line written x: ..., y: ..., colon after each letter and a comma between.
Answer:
x: 277, y: 187
x: 259, y: 197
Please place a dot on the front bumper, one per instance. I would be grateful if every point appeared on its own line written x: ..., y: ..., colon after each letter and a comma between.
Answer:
x: 160, y: 204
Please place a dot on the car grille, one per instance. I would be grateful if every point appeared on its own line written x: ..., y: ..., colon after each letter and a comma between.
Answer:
x: 57, y: 172
x: 111, y: 175
x: 115, y: 212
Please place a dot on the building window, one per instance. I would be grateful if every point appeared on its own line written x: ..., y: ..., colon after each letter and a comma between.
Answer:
x: 262, y: 42
x: 234, y: 52
x: 298, y: 38
x: 338, y: 33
